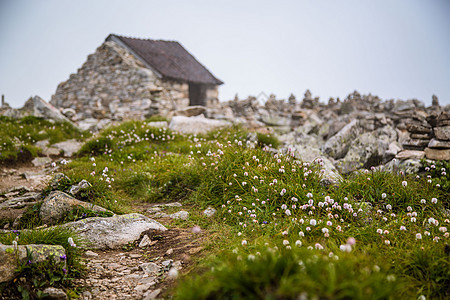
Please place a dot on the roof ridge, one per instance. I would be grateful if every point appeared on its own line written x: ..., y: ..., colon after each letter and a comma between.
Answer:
x: 141, y: 39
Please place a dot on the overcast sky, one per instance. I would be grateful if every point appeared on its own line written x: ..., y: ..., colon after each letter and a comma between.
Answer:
x: 396, y: 49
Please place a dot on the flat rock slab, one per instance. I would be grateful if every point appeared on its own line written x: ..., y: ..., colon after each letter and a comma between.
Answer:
x: 410, y: 154
x: 113, y: 232
x: 436, y: 154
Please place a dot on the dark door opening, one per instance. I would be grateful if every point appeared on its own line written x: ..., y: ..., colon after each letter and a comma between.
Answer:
x: 197, y: 94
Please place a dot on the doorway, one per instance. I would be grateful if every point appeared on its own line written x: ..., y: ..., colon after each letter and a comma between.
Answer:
x: 197, y: 94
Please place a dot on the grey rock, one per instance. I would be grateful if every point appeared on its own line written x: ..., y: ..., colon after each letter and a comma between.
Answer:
x: 151, y: 269
x: 88, y: 124
x: 196, y: 125
x: 312, y: 154
x: 191, y: 111
x: 434, y: 143
x: 338, y: 145
x: 437, y: 154
x: 442, y: 133
x: 91, y: 253
x: 8, y: 260
x: 182, y: 215
x: 27, y: 199
x: 152, y: 295
x: 55, y: 294
x: 38, y: 107
x: 410, y: 154
x: 41, y: 161
x: 408, y: 166
x: 69, y: 147
x: 77, y: 188
x: 209, y: 212
x: 145, y: 241
x: 274, y: 120
x: 159, y: 124
x: 58, y: 203
x: 113, y: 232
x: 367, y: 150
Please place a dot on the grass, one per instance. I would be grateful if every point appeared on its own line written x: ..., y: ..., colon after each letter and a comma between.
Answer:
x: 278, y: 232
x: 18, y: 138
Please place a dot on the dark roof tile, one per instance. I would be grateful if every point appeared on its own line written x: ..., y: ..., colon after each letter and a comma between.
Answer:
x: 170, y: 59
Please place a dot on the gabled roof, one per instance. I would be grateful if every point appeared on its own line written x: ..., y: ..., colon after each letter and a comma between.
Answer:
x: 168, y: 58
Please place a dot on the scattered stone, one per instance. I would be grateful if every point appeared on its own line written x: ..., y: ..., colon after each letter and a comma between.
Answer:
x: 181, y: 215
x: 69, y: 147
x: 77, y: 188
x: 55, y: 294
x: 152, y: 295
x: 151, y: 269
x: 169, y: 251
x: 113, y: 232
x: 209, y: 212
x: 41, y: 161
x: 58, y: 203
x: 145, y: 242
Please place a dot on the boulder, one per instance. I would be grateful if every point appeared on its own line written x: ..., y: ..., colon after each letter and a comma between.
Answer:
x: 338, y: 145
x: 311, y: 154
x: 196, y: 125
x: 57, y: 204
x: 38, y: 107
x: 70, y: 147
x: 408, y: 166
x: 367, y: 150
x: 39, y: 253
x: 113, y: 232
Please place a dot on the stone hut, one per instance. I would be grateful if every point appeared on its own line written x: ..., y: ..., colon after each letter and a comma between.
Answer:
x: 135, y: 78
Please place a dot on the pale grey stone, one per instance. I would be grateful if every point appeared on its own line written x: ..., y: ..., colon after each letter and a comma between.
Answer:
x: 113, y: 232
x: 151, y: 269
x: 145, y: 241
x: 69, y: 147
x: 41, y: 161
x: 55, y: 294
x: 196, y: 125
x: 209, y: 212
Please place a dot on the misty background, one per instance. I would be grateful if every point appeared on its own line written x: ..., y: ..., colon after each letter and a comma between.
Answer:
x: 393, y: 49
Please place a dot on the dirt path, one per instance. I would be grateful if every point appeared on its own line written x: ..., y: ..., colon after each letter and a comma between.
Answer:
x: 132, y: 272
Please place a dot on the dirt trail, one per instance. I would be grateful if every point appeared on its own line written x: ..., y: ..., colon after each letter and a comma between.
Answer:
x: 132, y: 272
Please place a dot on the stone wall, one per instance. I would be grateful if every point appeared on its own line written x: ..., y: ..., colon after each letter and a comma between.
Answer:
x: 114, y: 84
